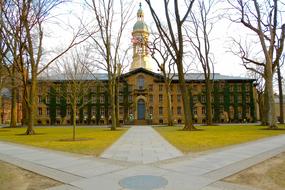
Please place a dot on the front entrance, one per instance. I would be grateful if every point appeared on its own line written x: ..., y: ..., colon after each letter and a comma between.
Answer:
x: 141, y: 109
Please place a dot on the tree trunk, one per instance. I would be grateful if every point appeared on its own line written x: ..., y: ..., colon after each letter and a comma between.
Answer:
x: 281, y: 105
x: 169, y: 103
x: 269, y: 98
x: 31, y: 105
x: 13, y: 100
x: 14, y: 107
x: 209, y: 102
x: 113, y: 104
x: 74, y: 119
x: 188, y: 126
x: 1, y: 109
x: 117, y: 104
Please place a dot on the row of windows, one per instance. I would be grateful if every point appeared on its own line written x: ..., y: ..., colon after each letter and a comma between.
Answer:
x: 160, y: 111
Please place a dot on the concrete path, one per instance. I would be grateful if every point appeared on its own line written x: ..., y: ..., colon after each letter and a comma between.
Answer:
x: 141, y: 144
x: 184, y: 173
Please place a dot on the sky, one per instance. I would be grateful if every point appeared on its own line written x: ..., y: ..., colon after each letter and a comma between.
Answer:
x: 225, y: 62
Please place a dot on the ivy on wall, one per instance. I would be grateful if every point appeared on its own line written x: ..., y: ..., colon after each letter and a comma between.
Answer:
x: 216, y: 95
x: 252, y: 104
x: 227, y: 97
x: 52, y: 105
x: 236, y: 102
x: 63, y: 104
x: 243, y: 91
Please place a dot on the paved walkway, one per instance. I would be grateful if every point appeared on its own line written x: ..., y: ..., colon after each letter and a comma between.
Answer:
x: 141, y: 144
x: 184, y: 173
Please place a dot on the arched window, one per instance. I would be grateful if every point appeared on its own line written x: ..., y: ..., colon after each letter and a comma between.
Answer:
x: 140, y: 82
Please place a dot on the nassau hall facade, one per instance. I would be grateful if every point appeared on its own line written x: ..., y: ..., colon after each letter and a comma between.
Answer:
x: 142, y: 94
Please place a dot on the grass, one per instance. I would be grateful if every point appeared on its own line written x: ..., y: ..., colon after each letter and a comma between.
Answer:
x: 211, y: 137
x: 268, y: 175
x: 14, y: 178
x: 93, y: 140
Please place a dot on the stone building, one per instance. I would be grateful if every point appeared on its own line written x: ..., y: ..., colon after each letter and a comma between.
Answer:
x: 142, y: 95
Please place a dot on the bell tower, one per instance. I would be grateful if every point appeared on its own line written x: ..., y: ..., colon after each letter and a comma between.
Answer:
x: 140, y: 36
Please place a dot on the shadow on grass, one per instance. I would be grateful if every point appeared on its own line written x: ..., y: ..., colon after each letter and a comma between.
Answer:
x: 195, y: 130
x: 4, y: 130
x: 273, y: 129
x: 24, y: 134
x: 76, y: 139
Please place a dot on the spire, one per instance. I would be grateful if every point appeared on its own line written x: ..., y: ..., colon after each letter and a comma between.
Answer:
x: 140, y: 13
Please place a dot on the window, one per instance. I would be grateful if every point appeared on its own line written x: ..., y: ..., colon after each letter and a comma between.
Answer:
x: 121, y: 110
x: 232, y: 99
x: 68, y: 111
x: 58, y: 100
x: 239, y: 99
x: 195, y: 111
x: 160, y: 87
x: 178, y: 98
x: 102, y: 111
x: 40, y: 99
x: 150, y: 87
x: 102, y: 99
x: 130, y: 98
x: 203, y: 110
x: 221, y: 99
x: 131, y: 110
x: 140, y: 82
x: 121, y: 98
x: 195, y: 99
x: 93, y: 99
x: 178, y: 110
x: 86, y: 100
x: 239, y: 88
x: 160, y: 98
x: 151, y: 110
x: 57, y: 112
x: 93, y: 111
x: 40, y: 111
x: 102, y: 89
x: 247, y: 87
x: 130, y: 87
x: 247, y: 98
x: 68, y: 100
x: 232, y: 88
x: 47, y: 99
x: 203, y: 99
x: 160, y: 110
x: 47, y: 111
x: 93, y: 89
x: 151, y: 98
x: 221, y: 109
x: 171, y: 98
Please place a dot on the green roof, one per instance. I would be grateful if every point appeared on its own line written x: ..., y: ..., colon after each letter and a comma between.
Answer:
x: 140, y: 25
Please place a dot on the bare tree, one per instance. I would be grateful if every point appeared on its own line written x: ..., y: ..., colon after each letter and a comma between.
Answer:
x: 24, y: 21
x: 198, y: 33
x: 174, y: 35
x: 263, y: 18
x: 280, y: 89
x: 165, y: 63
x: 77, y: 81
x: 111, y: 18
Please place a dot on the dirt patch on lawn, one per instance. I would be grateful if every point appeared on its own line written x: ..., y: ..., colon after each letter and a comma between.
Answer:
x: 268, y: 175
x: 14, y: 178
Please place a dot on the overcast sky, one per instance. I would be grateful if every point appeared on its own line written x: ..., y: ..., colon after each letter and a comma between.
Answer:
x: 226, y: 62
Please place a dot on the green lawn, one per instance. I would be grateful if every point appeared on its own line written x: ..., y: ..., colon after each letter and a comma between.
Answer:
x: 55, y: 138
x: 210, y: 137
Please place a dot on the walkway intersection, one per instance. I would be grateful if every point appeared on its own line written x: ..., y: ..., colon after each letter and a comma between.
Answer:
x: 135, y: 162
